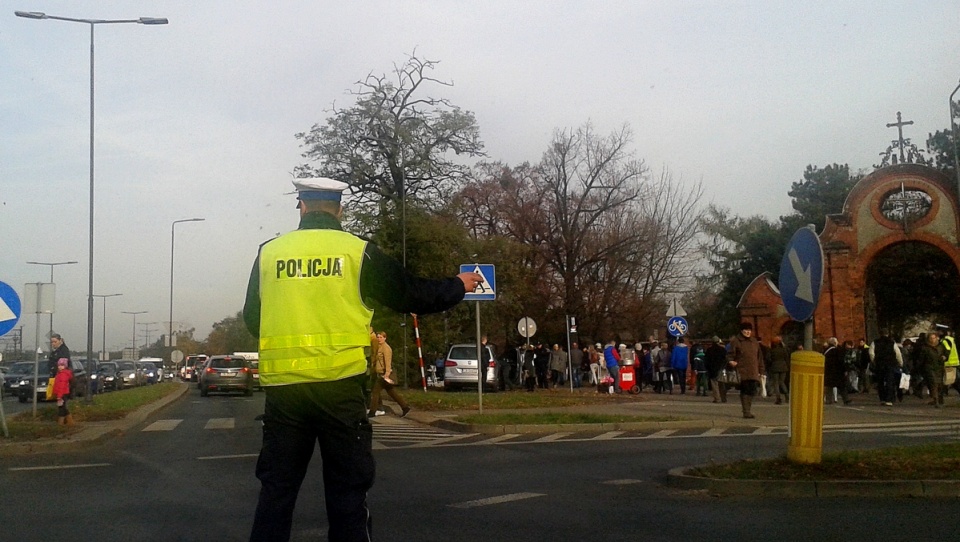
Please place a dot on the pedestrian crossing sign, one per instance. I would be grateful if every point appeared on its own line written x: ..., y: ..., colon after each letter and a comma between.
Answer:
x: 487, y: 290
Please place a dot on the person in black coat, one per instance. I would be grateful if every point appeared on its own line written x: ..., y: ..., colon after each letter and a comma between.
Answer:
x: 58, y: 349
x: 715, y: 357
x: 834, y: 372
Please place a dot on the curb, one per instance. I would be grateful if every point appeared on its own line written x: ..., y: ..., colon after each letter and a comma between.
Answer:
x: 679, y: 478
x: 94, y: 432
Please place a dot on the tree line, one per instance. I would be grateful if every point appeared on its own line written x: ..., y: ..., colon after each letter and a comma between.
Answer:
x: 588, y: 230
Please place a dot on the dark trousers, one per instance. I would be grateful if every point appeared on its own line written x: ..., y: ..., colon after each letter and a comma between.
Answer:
x: 681, y: 376
x: 297, y: 417
x: 779, y: 383
x: 382, y: 385
x: 888, y: 381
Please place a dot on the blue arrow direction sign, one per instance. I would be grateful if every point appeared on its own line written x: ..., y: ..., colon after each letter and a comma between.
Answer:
x: 801, y: 274
x: 486, y: 290
x: 9, y: 308
x: 677, y: 326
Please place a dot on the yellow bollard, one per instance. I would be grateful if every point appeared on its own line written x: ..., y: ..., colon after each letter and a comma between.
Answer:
x: 806, y: 407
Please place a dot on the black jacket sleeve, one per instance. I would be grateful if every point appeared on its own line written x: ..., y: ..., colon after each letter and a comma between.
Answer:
x: 251, y: 306
x: 384, y: 279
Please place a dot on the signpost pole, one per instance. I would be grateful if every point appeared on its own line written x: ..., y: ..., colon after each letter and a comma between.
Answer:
x: 480, y: 375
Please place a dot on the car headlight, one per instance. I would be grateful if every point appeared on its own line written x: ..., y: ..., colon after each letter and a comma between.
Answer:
x: 93, y: 377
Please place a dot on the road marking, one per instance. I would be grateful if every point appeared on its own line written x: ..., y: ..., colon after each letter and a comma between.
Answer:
x: 927, y: 434
x: 448, y: 440
x: 663, y: 433
x: 163, y: 425
x: 623, y: 482
x: 61, y: 467
x: 608, y: 435
x: 219, y: 423
x: 496, y: 500
x: 499, y: 438
x: 917, y: 428
x: 765, y: 430
x: 713, y: 432
x: 552, y: 437
x: 234, y: 456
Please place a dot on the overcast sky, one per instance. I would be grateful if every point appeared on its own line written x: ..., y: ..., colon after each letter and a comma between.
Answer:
x: 197, y: 118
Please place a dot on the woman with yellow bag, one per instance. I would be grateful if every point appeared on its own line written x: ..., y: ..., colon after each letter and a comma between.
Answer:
x: 58, y: 350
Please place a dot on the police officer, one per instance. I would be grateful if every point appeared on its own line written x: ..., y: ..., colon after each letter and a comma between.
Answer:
x: 305, y: 303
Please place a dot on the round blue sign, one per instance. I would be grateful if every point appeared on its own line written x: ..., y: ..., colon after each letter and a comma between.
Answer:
x: 801, y: 274
x: 9, y: 308
x: 677, y: 326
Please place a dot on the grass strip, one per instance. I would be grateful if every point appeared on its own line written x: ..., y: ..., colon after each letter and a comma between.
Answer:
x: 923, y: 462
x: 105, y: 407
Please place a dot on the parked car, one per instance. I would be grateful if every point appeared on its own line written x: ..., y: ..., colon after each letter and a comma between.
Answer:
x: 15, y: 373
x: 253, y: 358
x: 193, y: 365
x: 78, y: 389
x: 460, y: 368
x: 226, y: 374
x: 108, y: 375
x: 151, y: 374
x: 128, y: 374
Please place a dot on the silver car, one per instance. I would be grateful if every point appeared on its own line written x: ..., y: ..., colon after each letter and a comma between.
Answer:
x: 460, y: 368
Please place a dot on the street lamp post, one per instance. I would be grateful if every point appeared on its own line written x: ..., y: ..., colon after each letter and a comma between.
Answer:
x: 105, y: 355
x: 172, y: 238
x: 134, y: 328
x: 93, y: 23
x: 953, y: 127
x: 52, y: 265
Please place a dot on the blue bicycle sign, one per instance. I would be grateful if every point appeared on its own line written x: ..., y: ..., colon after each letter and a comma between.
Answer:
x: 677, y: 326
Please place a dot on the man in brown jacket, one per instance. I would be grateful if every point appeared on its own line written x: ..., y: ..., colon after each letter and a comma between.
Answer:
x: 747, y: 358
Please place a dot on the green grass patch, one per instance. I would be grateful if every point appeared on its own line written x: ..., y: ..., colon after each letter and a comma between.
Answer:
x: 105, y: 407
x: 925, y: 462
x: 553, y: 418
x: 434, y: 400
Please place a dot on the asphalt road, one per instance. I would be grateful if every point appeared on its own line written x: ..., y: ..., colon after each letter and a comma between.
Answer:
x: 187, y: 474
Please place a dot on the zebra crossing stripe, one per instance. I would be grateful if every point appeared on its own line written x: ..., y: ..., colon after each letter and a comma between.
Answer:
x: 447, y: 440
x: 499, y: 438
x: 496, y: 500
x: 219, y: 423
x: 163, y: 425
x: 663, y: 433
x: 552, y: 437
x: 609, y: 435
x: 713, y: 432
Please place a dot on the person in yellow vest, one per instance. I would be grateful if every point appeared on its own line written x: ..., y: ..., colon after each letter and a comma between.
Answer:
x: 950, y: 365
x: 306, y: 305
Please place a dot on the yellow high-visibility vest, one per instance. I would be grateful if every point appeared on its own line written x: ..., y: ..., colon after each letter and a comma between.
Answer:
x: 953, y: 359
x: 313, y: 322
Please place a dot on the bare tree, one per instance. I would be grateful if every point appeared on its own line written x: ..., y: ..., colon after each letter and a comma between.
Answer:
x: 393, y: 142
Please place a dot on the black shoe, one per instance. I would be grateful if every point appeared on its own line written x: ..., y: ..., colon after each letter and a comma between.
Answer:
x: 404, y: 412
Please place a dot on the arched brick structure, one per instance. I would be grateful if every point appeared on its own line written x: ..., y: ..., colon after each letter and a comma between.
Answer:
x: 852, y: 238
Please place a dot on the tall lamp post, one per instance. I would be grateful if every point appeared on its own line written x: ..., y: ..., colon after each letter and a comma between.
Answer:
x: 956, y: 142
x: 52, y: 265
x: 105, y: 355
x: 93, y: 23
x: 134, y: 328
x: 173, y: 231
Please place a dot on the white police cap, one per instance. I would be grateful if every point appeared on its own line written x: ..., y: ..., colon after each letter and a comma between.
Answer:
x: 319, y: 188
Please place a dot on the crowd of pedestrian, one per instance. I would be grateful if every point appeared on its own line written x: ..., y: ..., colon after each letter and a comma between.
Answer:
x: 756, y: 368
